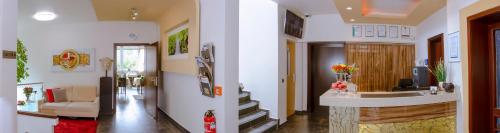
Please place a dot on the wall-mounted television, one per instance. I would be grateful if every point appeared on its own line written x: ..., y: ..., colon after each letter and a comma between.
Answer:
x: 294, y: 25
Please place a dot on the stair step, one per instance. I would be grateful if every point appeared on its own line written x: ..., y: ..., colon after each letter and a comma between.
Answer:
x: 248, y: 107
x: 244, y: 97
x: 253, y: 119
x: 267, y: 126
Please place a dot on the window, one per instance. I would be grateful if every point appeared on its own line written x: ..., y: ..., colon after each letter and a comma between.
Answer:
x: 130, y: 59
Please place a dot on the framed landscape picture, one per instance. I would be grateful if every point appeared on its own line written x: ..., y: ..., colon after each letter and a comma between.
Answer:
x: 381, y: 31
x: 369, y: 31
x: 178, y: 44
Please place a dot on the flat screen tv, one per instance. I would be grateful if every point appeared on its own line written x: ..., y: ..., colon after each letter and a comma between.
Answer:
x: 294, y: 25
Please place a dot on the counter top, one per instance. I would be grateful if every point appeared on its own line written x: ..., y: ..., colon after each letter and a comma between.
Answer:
x: 330, y: 98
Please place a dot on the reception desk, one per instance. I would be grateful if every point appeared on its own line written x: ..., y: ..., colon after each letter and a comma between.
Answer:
x: 386, y: 112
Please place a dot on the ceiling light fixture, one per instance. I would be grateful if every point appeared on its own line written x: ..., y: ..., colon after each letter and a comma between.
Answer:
x: 44, y: 16
x: 134, y: 13
x: 352, y: 20
x: 349, y: 8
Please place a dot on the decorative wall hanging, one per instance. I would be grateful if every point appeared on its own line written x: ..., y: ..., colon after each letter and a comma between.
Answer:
x: 178, y: 42
x: 369, y: 31
x: 357, y: 30
x: 393, y: 31
x: 73, y: 60
x: 206, y: 70
x: 454, y: 46
x: 381, y: 31
x: 407, y: 33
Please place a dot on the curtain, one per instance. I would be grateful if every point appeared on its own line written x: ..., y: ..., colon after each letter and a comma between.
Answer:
x: 380, y: 65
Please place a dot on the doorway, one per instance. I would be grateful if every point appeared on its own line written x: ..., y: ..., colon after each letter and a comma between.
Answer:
x: 484, y: 71
x: 290, y: 84
x: 321, y: 57
x: 136, y: 78
x: 435, y: 54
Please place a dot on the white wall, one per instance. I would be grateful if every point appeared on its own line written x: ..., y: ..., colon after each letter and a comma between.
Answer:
x: 258, y: 52
x: 453, y: 25
x: 430, y: 27
x: 331, y: 27
x: 42, y: 39
x: 184, y: 101
x: 8, y: 110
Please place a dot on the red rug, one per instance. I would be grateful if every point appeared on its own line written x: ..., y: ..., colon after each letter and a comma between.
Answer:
x: 75, y: 126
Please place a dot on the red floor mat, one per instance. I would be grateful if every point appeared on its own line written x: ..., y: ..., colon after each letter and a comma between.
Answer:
x: 75, y: 126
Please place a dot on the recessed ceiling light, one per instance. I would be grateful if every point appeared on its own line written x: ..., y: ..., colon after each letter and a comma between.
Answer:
x: 352, y: 20
x: 45, y: 16
x: 349, y: 8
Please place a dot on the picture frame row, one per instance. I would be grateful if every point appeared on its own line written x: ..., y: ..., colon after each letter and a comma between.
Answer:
x: 383, y: 31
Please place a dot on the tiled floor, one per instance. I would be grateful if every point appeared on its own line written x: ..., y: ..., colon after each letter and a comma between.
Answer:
x: 131, y: 117
x: 306, y: 123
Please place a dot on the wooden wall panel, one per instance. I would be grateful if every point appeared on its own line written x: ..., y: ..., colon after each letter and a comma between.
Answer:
x: 380, y: 65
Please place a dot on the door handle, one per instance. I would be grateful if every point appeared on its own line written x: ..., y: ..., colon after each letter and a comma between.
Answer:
x: 154, y: 80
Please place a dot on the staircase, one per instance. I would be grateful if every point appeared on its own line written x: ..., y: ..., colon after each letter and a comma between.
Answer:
x: 252, y: 118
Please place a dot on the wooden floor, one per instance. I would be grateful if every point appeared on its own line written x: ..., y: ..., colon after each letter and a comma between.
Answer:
x: 131, y: 117
x: 306, y: 123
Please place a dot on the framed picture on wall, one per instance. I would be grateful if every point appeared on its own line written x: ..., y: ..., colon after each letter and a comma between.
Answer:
x: 356, y: 31
x: 381, y: 31
x: 454, y: 47
x: 393, y: 31
x: 369, y: 31
x: 177, y: 43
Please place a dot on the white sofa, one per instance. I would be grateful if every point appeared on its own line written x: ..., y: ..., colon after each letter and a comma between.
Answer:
x: 83, y: 101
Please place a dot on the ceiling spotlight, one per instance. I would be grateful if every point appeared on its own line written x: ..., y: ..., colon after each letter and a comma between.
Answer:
x: 352, y: 20
x: 349, y: 8
x: 44, y: 16
x: 134, y: 13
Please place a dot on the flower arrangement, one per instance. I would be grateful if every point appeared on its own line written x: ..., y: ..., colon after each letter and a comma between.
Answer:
x: 343, y: 68
x: 27, y: 92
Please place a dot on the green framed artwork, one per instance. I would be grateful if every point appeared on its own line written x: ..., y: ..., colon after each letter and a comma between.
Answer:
x: 178, y: 44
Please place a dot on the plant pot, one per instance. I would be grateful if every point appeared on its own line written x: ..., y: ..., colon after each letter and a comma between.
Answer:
x: 441, y: 86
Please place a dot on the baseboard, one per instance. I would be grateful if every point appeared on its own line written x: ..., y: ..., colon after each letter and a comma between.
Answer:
x: 184, y: 130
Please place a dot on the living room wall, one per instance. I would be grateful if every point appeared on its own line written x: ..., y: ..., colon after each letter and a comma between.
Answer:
x: 42, y: 39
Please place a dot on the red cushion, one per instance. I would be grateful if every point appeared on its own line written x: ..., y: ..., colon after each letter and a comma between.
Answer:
x: 49, y: 95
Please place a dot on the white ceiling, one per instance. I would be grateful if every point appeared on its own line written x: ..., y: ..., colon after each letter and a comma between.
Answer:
x: 396, y: 8
x: 68, y: 11
x: 311, y: 7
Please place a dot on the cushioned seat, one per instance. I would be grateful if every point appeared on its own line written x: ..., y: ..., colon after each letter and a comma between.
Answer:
x: 80, y: 106
x: 83, y: 101
x: 55, y: 106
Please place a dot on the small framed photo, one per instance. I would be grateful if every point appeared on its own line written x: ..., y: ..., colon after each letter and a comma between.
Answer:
x: 369, y: 31
x: 381, y: 31
x: 356, y: 31
x: 454, y: 47
x: 393, y: 31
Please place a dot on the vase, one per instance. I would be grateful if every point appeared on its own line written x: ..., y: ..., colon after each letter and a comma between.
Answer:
x: 27, y: 98
x: 441, y: 86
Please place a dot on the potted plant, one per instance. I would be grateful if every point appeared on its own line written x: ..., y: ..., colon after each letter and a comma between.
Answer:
x: 439, y: 72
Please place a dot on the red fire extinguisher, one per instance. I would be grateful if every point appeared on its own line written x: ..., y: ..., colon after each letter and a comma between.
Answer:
x: 209, y: 122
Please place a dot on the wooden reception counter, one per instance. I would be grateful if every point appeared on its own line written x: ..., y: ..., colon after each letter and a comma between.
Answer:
x: 412, y: 111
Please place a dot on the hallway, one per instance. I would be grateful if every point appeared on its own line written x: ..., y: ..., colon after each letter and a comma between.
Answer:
x: 131, y: 117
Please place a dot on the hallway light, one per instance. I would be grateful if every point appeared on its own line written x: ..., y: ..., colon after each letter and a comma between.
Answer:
x: 349, y: 8
x: 352, y: 20
x: 45, y: 16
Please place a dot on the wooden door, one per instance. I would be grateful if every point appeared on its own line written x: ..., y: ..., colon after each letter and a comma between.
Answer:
x: 151, y: 79
x: 494, y: 44
x: 290, y: 84
x: 435, y: 54
x: 322, y: 58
